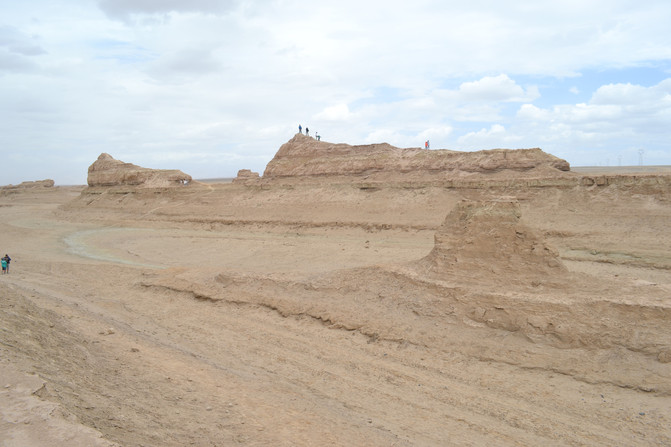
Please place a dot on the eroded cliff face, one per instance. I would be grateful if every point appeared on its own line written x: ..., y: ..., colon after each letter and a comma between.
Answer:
x: 303, y: 156
x: 107, y: 171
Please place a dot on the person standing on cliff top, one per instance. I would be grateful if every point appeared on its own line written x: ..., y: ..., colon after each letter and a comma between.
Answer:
x: 307, y: 131
x: 300, y: 129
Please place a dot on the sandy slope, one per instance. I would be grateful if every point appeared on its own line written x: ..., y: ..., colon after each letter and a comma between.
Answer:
x: 302, y: 315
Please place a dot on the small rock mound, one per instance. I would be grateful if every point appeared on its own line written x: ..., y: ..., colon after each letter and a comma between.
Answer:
x: 303, y: 156
x: 107, y: 171
x: 245, y: 175
x: 486, y: 242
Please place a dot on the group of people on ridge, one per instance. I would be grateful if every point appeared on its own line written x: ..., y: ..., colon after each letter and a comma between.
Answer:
x: 5, y: 263
x: 307, y: 132
x: 318, y: 137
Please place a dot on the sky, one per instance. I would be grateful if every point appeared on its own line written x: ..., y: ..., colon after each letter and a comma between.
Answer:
x: 213, y: 86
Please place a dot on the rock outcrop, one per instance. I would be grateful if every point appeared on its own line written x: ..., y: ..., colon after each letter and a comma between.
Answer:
x: 245, y: 175
x: 487, y: 238
x: 107, y: 171
x: 47, y: 183
x: 303, y: 156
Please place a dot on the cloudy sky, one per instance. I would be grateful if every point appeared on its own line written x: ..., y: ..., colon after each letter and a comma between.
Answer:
x: 214, y: 86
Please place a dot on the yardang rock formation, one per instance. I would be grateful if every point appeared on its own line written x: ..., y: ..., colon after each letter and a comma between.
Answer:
x: 486, y: 238
x: 107, y: 171
x: 303, y: 156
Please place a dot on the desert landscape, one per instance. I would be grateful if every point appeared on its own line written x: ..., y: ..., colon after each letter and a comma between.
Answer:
x: 348, y: 296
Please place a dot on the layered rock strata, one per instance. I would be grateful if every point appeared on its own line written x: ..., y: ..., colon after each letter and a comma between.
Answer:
x: 303, y: 156
x: 107, y: 171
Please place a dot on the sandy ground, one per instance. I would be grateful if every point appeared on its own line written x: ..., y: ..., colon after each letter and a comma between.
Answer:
x: 291, y: 317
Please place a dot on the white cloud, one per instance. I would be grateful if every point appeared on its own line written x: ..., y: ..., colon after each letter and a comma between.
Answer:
x: 18, y: 42
x: 613, y: 107
x: 12, y: 62
x: 617, y: 118
x: 236, y: 77
x: 622, y: 94
x: 438, y: 133
x: 532, y: 113
x: 495, y: 137
x: 496, y: 89
x: 124, y: 9
x: 338, y: 112
x: 17, y: 50
x: 189, y: 62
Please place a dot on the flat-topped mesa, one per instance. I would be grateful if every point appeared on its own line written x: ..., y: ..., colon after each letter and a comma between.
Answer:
x: 486, y: 239
x: 107, y: 171
x: 303, y: 156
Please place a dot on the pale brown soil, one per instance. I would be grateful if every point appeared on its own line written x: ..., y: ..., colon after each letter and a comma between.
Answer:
x: 305, y: 315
